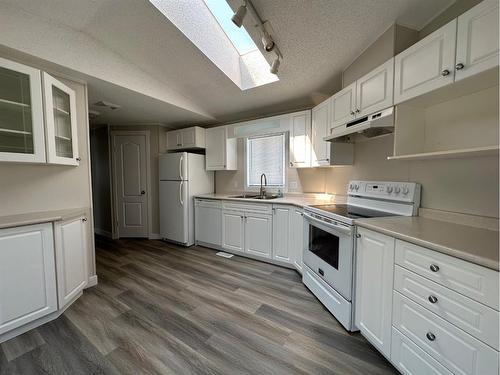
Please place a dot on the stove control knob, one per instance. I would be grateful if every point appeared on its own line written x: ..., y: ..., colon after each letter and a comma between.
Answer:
x: 389, y: 189
x: 406, y: 190
x: 397, y: 189
x: 356, y: 187
x: 351, y: 187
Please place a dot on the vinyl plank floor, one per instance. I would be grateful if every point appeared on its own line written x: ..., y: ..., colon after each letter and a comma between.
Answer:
x: 163, y: 309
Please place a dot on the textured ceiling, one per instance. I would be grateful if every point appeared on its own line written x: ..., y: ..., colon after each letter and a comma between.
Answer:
x: 318, y: 39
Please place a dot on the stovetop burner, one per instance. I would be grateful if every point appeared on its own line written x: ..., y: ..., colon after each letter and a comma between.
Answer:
x: 351, y: 212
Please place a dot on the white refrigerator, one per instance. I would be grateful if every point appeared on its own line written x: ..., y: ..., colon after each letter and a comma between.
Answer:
x: 182, y: 176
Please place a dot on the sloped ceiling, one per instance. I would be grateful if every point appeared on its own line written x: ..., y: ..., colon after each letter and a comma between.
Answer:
x: 318, y: 39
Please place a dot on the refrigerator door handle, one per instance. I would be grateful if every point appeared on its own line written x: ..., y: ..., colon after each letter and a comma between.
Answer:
x: 180, y: 194
x: 180, y: 167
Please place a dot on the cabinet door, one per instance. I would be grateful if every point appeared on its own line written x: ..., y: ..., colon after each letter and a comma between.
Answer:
x: 300, y: 140
x: 282, y: 240
x: 297, y: 236
x: 233, y: 231
x: 375, y: 91
x: 427, y: 65
x: 320, y: 128
x: 258, y: 234
x: 188, y: 137
x: 374, y: 282
x: 343, y: 106
x: 174, y: 140
x: 22, y: 133
x: 27, y: 275
x: 71, y: 259
x: 208, y: 225
x: 61, y: 127
x: 215, y: 139
x: 477, y: 39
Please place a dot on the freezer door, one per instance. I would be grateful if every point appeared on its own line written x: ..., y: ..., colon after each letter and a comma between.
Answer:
x: 173, y: 167
x: 174, y: 207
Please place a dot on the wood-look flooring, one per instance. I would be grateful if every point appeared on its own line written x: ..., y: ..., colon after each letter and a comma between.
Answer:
x: 163, y: 309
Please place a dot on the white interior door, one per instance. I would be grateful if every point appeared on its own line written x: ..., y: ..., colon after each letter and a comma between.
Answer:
x: 131, y: 184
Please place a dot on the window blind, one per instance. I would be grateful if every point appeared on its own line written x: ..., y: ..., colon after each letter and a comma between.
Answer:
x: 266, y: 154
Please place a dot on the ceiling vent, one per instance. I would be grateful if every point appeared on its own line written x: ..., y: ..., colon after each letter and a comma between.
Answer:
x: 102, y: 103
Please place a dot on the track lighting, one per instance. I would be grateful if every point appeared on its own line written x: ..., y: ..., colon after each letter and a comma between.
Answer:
x: 267, y: 41
x: 239, y: 15
x: 275, y: 65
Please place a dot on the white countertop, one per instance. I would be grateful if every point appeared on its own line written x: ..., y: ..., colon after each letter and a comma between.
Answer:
x: 295, y: 200
x: 476, y: 245
x: 31, y: 218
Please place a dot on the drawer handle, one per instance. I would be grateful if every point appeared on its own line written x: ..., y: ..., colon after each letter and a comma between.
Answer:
x: 431, y: 336
x: 433, y: 299
x: 434, y: 267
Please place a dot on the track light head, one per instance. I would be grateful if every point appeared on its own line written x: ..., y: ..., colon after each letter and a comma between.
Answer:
x: 267, y: 42
x: 239, y: 15
x: 275, y: 65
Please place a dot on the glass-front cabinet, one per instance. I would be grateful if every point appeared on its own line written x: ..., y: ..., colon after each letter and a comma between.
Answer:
x: 61, y: 130
x: 21, y: 114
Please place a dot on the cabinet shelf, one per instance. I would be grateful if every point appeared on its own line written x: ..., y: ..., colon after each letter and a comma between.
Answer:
x: 449, y: 154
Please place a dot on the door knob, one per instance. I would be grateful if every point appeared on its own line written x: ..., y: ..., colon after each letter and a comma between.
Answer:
x: 143, y: 192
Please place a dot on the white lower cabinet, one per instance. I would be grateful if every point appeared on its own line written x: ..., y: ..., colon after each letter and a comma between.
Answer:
x: 233, y: 237
x: 71, y: 259
x: 374, y: 281
x: 208, y: 222
x: 259, y: 234
x: 282, y: 230
x: 27, y: 275
x: 297, y: 237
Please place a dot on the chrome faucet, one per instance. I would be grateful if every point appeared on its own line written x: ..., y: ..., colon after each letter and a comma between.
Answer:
x: 263, y: 189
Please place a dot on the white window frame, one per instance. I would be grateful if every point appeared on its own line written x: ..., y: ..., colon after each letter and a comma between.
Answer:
x: 272, y: 188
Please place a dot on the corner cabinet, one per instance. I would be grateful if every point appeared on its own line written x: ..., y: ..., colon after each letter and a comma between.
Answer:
x: 37, y: 117
x: 374, y: 283
x: 300, y: 140
x: 220, y: 153
x: 22, y: 132
x: 320, y: 129
x: 60, y: 117
x: 71, y: 259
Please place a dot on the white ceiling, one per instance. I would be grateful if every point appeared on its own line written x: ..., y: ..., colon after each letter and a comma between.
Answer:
x: 318, y: 39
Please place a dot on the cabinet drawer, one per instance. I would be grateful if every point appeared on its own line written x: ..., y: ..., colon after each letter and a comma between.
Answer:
x: 410, y: 359
x: 210, y: 203
x: 471, y: 280
x: 453, y: 348
x: 471, y: 316
x: 247, y: 206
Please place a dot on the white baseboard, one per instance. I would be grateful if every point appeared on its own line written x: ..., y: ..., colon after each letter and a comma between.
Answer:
x: 154, y: 236
x: 92, y: 281
x: 102, y: 232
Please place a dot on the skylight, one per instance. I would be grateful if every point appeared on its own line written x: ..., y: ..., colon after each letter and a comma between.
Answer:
x: 207, y: 24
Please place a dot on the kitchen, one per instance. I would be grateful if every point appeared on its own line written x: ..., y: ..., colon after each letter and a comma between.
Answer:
x: 292, y: 223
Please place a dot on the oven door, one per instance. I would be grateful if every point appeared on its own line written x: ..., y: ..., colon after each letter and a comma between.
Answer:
x: 328, y: 251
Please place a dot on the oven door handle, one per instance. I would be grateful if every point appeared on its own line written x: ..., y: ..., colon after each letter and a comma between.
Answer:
x: 340, y: 228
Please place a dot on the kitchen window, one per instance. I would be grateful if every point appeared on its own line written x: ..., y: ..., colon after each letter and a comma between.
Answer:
x: 266, y: 154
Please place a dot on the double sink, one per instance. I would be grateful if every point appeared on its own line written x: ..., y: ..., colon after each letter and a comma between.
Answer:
x: 255, y: 196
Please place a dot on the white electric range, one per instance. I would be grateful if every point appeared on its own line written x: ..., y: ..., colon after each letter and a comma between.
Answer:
x: 329, y: 239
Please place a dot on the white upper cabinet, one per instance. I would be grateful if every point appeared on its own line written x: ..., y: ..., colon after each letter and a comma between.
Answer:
x: 477, y: 39
x: 71, y: 259
x: 190, y: 138
x: 60, y: 117
x: 220, y: 153
x: 320, y: 129
x: 343, y: 106
x: 21, y: 113
x: 427, y: 65
x: 374, y: 284
x: 375, y: 90
x: 300, y: 140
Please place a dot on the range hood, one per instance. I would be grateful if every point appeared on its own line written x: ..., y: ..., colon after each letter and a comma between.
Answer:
x: 378, y: 123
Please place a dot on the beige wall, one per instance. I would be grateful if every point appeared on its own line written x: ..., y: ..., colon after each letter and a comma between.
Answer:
x: 30, y: 188
x: 101, y: 184
x: 157, y: 147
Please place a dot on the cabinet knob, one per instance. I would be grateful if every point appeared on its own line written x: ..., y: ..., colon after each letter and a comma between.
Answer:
x: 352, y: 113
x: 291, y: 164
x: 84, y: 219
x: 358, y: 235
x: 445, y: 72
x: 432, y: 299
x: 357, y: 110
x: 143, y: 192
x: 434, y: 267
x: 78, y: 159
x: 459, y: 66
x: 430, y: 336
